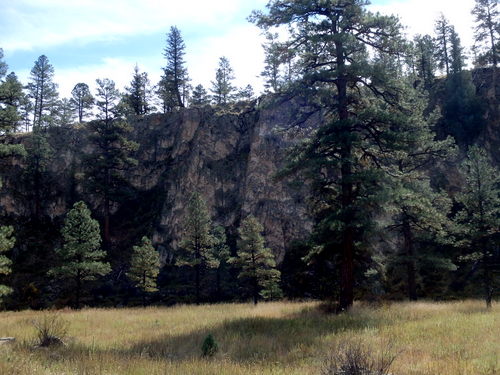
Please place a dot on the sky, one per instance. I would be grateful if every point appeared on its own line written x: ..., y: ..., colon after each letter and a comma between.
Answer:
x: 89, y: 39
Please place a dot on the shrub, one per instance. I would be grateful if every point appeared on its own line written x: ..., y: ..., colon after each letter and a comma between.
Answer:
x: 51, y: 330
x: 209, y: 347
x: 353, y: 358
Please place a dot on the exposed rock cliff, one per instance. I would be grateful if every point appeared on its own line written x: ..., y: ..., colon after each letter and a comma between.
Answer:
x: 229, y: 157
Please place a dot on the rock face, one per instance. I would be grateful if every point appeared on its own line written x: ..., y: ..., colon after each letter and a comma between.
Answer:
x: 229, y: 157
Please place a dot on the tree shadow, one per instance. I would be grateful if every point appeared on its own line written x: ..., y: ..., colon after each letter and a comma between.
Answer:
x: 255, y: 339
x: 258, y: 338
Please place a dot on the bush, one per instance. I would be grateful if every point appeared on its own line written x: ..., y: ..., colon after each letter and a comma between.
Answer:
x: 51, y: 330
x: 209, y: 347
x: 353, y: 358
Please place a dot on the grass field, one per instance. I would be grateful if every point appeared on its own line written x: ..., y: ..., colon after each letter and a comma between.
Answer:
x: 455, y: 338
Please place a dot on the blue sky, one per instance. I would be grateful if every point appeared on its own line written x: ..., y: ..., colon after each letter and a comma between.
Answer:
x: 89, y: 39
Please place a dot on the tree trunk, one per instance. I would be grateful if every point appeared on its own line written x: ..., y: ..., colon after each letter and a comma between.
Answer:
x: 144, y: 289
x: 77, y: 291
x: 410, y: 261
x: 255, y: 291
x: 197, y: 276
x: 346, y: 297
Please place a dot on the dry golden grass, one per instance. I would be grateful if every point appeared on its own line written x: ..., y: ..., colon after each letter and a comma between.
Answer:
x: 458, y: 338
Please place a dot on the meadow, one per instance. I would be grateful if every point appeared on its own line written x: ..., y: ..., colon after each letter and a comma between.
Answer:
x: 428, y: 338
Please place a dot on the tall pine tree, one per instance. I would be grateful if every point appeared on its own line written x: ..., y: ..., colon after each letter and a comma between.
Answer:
x: 81, y: 258
x: 113, y: 155
x: 81, y: 99
x: 175, y: 76
x: 486, y: 32
x: 196, y: 242
x: 7, y: 241
x: 144, y: 267
x: 255, y: 261
x: 42, y: 91
x: 479, y: 217
x: 359, y: 99
x: 222, y: 88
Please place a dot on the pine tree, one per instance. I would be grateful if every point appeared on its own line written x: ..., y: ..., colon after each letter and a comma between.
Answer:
x: 64, y: 114
x: 222, y: 88
x: 457, y: 58
x: 199, y: 97
x: 81, y: 258
x: 196, y: 241
x: 479, y: 218
x: 81, y: 99
x: 113, y: 153
x: 425, y: 60
x: 344, y: 158
x: 245, y: 93
x: 442, y: 29
x: 7, y: 241
x: 42, y: 91
x: 463, y: 110
x: 256, y: 262
x: 139, y: 93
x: 487, y: 31
x: 417, y: 210
x: 36, y: 179
x: 280, y: 65
x: 220, y: 254
x: 144, y: 267
x: 11, y: 97
x: 175, y: 74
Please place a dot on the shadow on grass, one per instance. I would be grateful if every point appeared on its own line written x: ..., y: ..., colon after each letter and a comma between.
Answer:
x: 290, y: 338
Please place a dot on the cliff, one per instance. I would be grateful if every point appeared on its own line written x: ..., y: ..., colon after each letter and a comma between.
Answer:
x: 230, y: 157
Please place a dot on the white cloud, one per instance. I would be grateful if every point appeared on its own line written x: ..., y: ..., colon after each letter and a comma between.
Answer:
x: 27, y: 24
x: 419, y: 15
x: 242, y: 46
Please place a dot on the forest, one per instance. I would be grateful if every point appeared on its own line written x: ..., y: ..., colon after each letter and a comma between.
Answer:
x: 381, y: 152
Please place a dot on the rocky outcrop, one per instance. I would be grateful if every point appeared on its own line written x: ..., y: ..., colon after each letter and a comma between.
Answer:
x: 229, y: 156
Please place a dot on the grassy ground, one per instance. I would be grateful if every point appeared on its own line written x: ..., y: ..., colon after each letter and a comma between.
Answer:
x: 459, y: 338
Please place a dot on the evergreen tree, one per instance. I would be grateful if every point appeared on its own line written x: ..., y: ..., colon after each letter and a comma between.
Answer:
x: 222, y: 88
x: 479, y: 217
x: 64, y: 114
x: 246, y: 93
x: 199, y: 97
x: 36, y: 175
x: 220, y: 255
x: 175, y: 74
x: 359, y: 98
x: 418, y: 211
x: 3, y: 65
x: 425, y: 60
x: 457, y: 58
x: 42, y: 91
x: 463, y: 110
x: 139, y: 93
x: 144, y: 267
x: 81, y: 258
x: 113, y: 153
x: 11, y: 98
x: 256, y: 262
x: 81, y: 99
x: 279, y: 69
x: 443, y: 29
x: 7, y: 241
x: 487, y: 31
x: 273, y: 61
x: 196, y: 242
